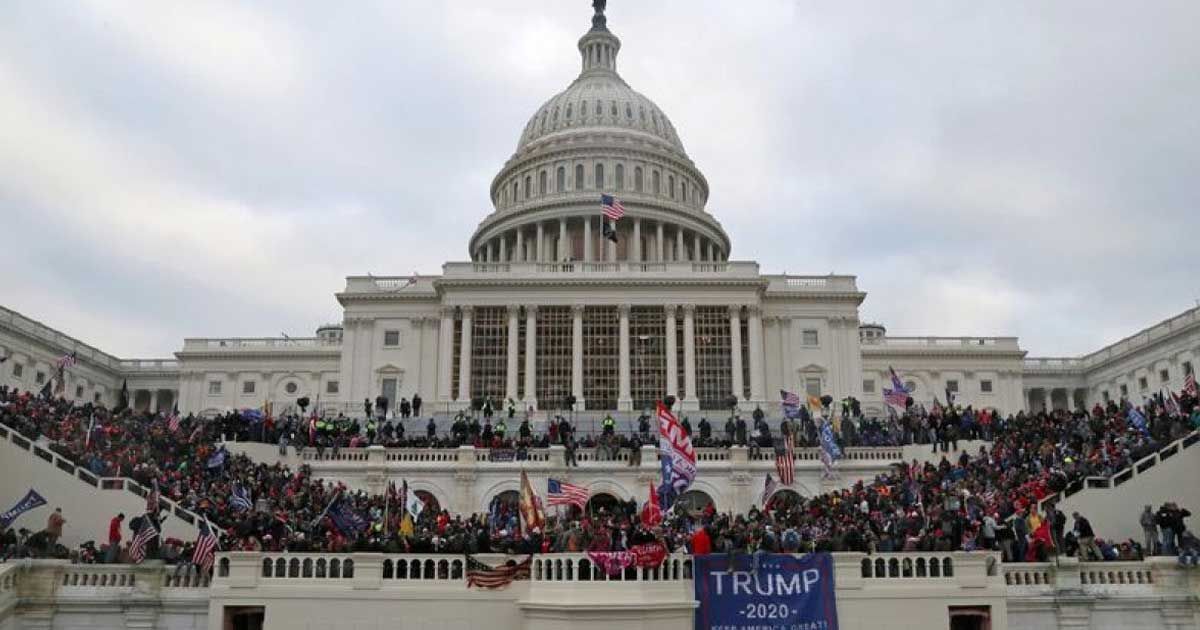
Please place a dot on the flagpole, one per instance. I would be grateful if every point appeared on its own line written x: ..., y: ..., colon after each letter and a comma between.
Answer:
x: 326, y: 510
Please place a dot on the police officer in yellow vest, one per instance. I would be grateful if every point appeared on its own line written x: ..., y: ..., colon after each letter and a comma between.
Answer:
x: 610, y: 425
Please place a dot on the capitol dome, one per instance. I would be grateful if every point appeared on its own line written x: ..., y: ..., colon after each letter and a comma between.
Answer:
x: 599, y: 136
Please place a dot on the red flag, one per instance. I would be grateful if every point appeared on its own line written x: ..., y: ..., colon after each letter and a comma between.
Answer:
x: 651, y: 512
x: 1042, y: 533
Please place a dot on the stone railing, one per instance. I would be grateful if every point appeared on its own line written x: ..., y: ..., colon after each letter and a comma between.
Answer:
x: 466, y: 270
x: 115, y: 484
x: 260, y: 344
x: 1052, y: 365
x: 1121, y: 477
x: 1094, y: 578
x: 964, y: 343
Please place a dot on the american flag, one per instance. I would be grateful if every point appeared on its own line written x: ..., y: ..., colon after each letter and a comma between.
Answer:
x: 785, y: 460
x: 898, y: 393
x: 791, y: 403
x: 1189, y: 385
x: 137, y: 548
x: 563, y: 493
x: 173, y: 419
x: 68, y: 360
x: 769, y: 488
x: 612, y: 207
x: 206, y: 549
x: 484, y: 576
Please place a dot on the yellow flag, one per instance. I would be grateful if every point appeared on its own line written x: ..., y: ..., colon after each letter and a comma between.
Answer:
x: 406, y: 526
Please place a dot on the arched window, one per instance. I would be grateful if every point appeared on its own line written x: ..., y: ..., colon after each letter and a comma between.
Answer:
x: 637, y: 178
x: 555, y: 119
x: 599, y: 109
x: 516, y: 189
x: 599, y: 176
x: 578, y: 177
x: 568, y: 111
x: 642, y: 114
x: 628, y: 111
x: 560, y: 179
x: 528, y: 185
x: 614, y: 109
x: 543, y: 121
x: 655, y: 182
x: 671, y: 186
x: 542, y: 183
x: 683, y: 186
x: 620, y: 177
x: 583, y: 109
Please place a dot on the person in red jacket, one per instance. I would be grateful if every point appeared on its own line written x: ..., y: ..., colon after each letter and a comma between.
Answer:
x: 114, y: 539
x: 701, y: 545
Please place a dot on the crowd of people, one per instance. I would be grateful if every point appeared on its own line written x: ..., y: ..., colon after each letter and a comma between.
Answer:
x: 990, y: 499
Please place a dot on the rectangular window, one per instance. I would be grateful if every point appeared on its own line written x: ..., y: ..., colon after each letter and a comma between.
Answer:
x: 1124, y: 391
x: 809, y: 338
x: 40, y: 378
x: 96, y: 398
x: 985, y: 386
x: 714, y: 364
x: 79, y: 391
x: 1104, y: 396
x: 332, y: 387
x: 552, y: 356
x: 1187, y: 368
x: 1143, y: 384
x: 1164, y: 376
x: 601, y: 331
x: 812, y: 386
x: 248, y: 387
x: 489, y: 352
x: 18, y: 370
x: 214, y: 388
x: 952, y: 386
x: 647, y: 355
x: 391, y: 337
x: 869, y: 386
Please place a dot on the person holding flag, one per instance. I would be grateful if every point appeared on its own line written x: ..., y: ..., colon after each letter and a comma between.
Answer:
x: 678, y: 457
x: 532, y: 514
x: 652, y: 513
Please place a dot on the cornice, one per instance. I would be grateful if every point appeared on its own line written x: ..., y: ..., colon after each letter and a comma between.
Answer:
x: 312, y: 353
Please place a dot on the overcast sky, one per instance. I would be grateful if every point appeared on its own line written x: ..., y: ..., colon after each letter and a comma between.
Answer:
x: 202, y: 169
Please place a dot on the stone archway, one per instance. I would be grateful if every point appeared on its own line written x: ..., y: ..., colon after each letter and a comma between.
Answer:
x: 785, y: 499
x: 600, y: 502
x: 694, y: 502
x: 429, y: 500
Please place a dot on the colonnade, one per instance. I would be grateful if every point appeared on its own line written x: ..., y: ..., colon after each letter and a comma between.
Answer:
x: 552, y: 241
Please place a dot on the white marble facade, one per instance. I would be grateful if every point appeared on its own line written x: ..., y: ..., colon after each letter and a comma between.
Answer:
x: 545, y: 307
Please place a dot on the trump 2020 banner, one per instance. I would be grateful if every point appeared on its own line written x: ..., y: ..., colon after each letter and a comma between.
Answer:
x: 783, y: 592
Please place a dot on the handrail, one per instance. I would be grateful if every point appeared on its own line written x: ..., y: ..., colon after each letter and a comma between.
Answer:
x: 100, y: 483
x: 1125, y: 474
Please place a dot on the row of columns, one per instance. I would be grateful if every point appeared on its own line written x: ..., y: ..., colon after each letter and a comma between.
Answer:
x: 688, y: 397
x: 661, y: 247
x: 1046, y: 398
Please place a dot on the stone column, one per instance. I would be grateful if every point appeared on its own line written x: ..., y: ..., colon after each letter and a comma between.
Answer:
x: 680, y: 254
x: 510, y: 367
x: 711, y: 256
x: 624, y: 395
x: 445, y: 354
x: 610, y: 248
x: 757, y: 373
x: 587, y: 240
x: 658, y: 243
x: 530, y: 356
x: 519, y: 249
x: 577, y: 353
x: 691, y: 401
x: 491, y: 251
x: 539, y: 252
x: 672, y: 351
x: 735, y: 351
x: 503, y: 247
x: 635, y: 254
x: 464, y: 362
x: 1048, y: 394
x: 561, y: 254
x: 696, y: 251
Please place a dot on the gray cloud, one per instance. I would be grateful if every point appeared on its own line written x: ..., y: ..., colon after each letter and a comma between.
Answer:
x: 195, y: 169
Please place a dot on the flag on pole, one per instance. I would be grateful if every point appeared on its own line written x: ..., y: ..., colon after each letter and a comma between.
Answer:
x: 530, y: 506
x: 216, y: 460
x: 413, y: 504
x: 1189, y: 385
x: 123, y: 399
x: 206, y: 549
x: 345, y: 518
x: 769, y: 488
x: 137, y: 548
x: 68, y: 360
x: 240, y: 499
x: 785, y: 459
x: 612, y: 207
x: 173, y: 419
x: 898, y: 393
x: 563, y: 493
x: 652, y: 512
x: 678, y: 456
x: 32, y: 500
x: 1138, y: 421
x: 791, y: 404
x: 87, y: 439
x: 830, y: 451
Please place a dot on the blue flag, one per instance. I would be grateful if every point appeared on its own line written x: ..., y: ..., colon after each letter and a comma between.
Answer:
x: 346, y: 519
x: 216, y: 460
x: 253, y: 416
x: 1138, y: 420
x: 32, y: 500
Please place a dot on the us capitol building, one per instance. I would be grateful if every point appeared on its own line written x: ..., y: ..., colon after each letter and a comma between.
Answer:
x: 546, y: 307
